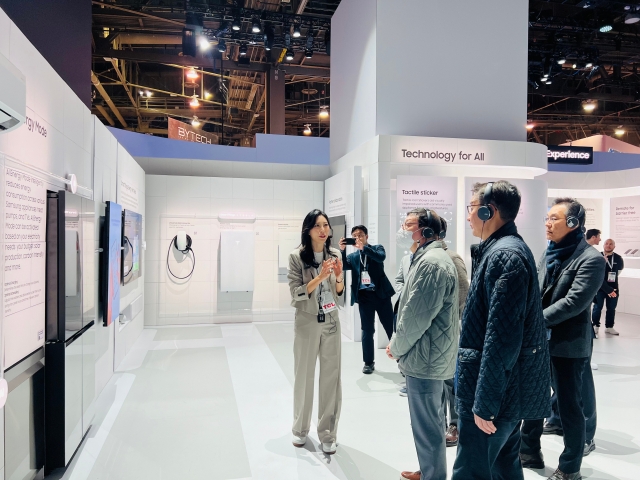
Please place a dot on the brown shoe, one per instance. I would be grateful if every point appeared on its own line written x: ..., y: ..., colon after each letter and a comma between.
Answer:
x: 410, y: 475
x: 452, y: 436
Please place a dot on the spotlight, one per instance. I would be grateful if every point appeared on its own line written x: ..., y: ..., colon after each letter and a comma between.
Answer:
x: 255, y: 26
x: 546, y: 75
x: 589, y: 65
x: 207, y: 95
x: 307, y: 129
x: 607, y: 27
x: 194, y: 101
x: 588, y: 106
x: 308, y: 53
x: 632, y: 18
x: 243, y: 50
x: 252, y: 41
x: 195, y: 122
x: 619, y: 131
x: 141, y: 93
x: 575, y: 65
x: 529, y: 126
x: 204, y: 43
x: 289, y: 55
x: 222, y: 46
x: 562, y: 60
x: 236, y: 25
x: 548, y: 81
x: 324, y: 112
x: 296, y: 31
x: 148, y: 93
x: 192, y: 74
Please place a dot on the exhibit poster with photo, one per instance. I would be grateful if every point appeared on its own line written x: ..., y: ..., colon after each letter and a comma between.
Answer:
x: 435, y: 193
x: 530, y: 219
x: 625, y: 225
x: 24, y: 265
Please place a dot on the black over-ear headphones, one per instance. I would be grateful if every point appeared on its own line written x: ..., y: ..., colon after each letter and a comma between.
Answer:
x: 443, y: 232
x: 485, y: 212
x: 574, y: 221
x: 428, y: 232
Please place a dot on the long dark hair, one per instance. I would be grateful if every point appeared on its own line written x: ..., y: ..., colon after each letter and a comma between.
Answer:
x: 306, y: 248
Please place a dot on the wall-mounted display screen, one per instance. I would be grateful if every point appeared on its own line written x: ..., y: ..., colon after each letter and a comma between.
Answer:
x: 111, y: 258
x: 131, y: 246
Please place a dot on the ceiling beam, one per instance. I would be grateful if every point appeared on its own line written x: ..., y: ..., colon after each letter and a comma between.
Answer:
x: 105, y: 95
x: 186, y: 61
x: 134, y: 12
x: 114, y: 62
x: 301, y: 6
x: 105, y: 114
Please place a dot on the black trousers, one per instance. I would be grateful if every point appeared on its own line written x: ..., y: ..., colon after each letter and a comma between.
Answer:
x: 368, y: 304
x: 567, y: 376
x: 487, y: 457
x: 598, y: 304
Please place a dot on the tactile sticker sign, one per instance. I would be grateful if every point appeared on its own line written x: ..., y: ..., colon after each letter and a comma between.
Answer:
x: 23, y: 260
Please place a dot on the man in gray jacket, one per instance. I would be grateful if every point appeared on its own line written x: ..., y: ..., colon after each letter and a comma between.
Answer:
x: 426, y: 340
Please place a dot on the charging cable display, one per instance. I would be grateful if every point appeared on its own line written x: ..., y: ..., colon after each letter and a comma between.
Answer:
x: 182, y: 242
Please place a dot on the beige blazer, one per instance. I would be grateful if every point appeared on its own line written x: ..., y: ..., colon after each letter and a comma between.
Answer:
x: 300, y: 275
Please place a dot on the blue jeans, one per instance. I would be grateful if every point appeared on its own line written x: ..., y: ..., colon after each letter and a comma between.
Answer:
x: 598, y: 304
x: 488, y: 457
x: 425, y: 408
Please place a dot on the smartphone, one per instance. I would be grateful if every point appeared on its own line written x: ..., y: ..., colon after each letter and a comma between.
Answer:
x: 349, y: 241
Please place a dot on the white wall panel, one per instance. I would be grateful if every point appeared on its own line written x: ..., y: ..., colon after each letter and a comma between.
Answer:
x: 237, y: 260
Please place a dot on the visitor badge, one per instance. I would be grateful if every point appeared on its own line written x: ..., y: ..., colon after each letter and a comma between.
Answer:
x: 366, y: 279
x: 327, y: 302
x: 611, y: 277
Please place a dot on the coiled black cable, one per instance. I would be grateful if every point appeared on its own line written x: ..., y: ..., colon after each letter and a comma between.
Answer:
x: 185, y: 251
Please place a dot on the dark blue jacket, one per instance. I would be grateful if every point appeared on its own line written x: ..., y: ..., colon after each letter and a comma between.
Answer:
x: 375, y: 266
x: 503, y: 361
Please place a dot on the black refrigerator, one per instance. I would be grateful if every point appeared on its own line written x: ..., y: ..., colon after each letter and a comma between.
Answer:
x: 71, y: 317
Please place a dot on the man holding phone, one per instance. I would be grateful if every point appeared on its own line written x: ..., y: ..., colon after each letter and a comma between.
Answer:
x: 370, y: 289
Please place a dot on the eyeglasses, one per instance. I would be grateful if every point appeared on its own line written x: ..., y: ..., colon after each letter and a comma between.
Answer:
x: 553, y: 219
x: 470, y: 207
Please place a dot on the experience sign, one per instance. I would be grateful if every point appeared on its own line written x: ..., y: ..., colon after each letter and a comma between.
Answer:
x: 570, y: 155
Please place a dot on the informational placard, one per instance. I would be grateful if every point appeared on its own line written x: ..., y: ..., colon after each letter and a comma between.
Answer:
x: 339, y: 194
x: 23, y: 264
x: 625, y: 225
x: 530, y: 219
x: 288, y: 234
x: 435, y: 193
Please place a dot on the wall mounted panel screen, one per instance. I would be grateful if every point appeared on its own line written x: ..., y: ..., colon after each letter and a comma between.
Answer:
x: 237, y: 252
x: 111, y: 258
x: 131, y: 246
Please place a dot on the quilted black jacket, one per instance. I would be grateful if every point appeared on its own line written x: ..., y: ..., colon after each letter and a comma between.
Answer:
x: 503, y: 360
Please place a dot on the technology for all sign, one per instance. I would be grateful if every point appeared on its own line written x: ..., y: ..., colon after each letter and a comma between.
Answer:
x: 570, y: 155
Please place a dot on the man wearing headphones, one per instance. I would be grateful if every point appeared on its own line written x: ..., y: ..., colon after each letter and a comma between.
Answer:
x: 570, y: 273
x: 503, y: 359
x: 426, y: 340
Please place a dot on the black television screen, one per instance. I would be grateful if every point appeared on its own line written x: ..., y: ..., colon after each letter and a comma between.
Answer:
x: 111, y: 257
x: 131, y: 246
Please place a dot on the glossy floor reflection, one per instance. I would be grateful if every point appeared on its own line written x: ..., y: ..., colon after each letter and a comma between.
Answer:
x: 215, y: 402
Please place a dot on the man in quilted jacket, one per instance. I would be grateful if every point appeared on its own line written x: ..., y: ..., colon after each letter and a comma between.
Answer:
x: 503, y: 360
x: 426, y: 340
x: 570, y: 273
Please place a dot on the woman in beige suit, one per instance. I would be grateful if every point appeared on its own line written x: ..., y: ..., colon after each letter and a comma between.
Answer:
x: 316, y: 282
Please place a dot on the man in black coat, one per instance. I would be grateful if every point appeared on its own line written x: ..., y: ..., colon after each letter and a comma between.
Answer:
x: 609, y: 290
x: 570, y: 274
x: 370, y: 289
x: 503, y: 360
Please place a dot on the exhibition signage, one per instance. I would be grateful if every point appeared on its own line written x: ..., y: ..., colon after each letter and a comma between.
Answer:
x: 23, y: 264
x: 183, y: 131
x: 625, y: 225
x: 570, y: 155
x: 436, y: 193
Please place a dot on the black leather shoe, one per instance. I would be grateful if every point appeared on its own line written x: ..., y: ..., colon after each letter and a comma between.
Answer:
x: 368, y: 369
x: 559, y: 475
x: 551, y: 429
x: 535, y: 462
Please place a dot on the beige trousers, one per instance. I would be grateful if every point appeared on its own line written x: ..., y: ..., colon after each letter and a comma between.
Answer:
x: 312, y: 341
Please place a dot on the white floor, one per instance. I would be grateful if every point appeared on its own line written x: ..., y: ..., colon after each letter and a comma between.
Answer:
x: 215, y: 402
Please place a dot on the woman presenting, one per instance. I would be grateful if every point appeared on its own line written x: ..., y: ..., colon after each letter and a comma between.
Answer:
x: 317, y: 284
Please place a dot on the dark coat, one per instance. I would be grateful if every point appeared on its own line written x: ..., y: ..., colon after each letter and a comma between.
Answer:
x: 503, y: 361
x: 618, y: 265
x: 375, y: 266
x: 569, y: 299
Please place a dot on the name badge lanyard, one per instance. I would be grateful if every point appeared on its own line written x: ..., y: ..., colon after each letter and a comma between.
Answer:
x: 365, y: 278
x: 611, y: 277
